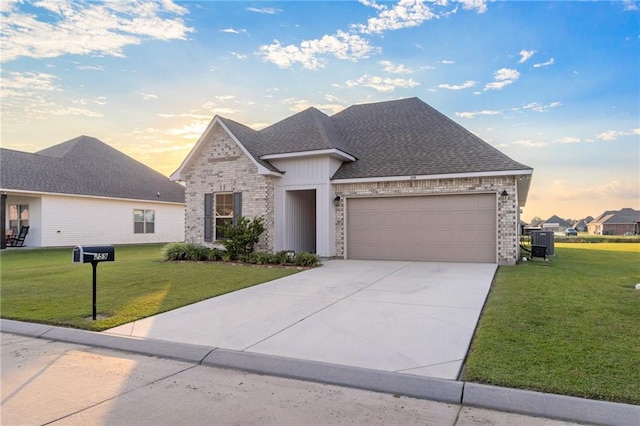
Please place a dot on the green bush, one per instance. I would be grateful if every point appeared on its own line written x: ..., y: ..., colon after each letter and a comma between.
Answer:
x: 240, y: 238
x: 281, y: 258
x: 185, y: 251
x: 215, y: 254
x: 306, y: 259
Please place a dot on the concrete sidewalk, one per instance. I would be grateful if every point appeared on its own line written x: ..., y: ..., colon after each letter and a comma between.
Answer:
x: 49, y: 382
x: 17, y: 378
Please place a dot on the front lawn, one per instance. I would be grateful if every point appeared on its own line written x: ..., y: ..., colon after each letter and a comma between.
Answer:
x: 568, y: 326
x: 44, y: 286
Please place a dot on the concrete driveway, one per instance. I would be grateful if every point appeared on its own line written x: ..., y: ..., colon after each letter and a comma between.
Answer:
x: 411, y: 317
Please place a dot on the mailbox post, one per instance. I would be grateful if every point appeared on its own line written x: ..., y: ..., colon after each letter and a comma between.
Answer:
x: 93, y: 255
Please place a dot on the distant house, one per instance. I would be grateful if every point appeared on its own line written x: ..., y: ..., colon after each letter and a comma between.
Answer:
x: 616, y: 222
x: 556, y: 224
x: 582, y: 224
x: 84, y: 192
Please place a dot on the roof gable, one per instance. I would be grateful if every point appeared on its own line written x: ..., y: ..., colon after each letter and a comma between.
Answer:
x: 309, y: 130
x: 86, y: 166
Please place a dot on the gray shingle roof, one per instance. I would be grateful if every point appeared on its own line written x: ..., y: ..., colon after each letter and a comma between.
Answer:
x: 408, y: 137
x: 308, y: 130
x: 624, y: 216
x: 405, y: 137
x: 85, y: 166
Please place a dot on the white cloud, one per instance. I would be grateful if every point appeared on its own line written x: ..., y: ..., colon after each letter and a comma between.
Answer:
x: 147, y: 96
x: 238, y: 55
x: 630, y: 5
x: 561, y: 189
x: 382, y: 84
x: 342, y: 45
x: 395, y: 69
x: 530, y: 144
x: 467, y: 84
x: 611, y: 135
x: 90, y: 67
x: 476, y: 113
x: 30, y: 81
x: 448, y: 62
x: 506, y: 74
x: 525, y: 55
x: 225, y: 97
x: 544, y: 64
x: 538, y: 107
x: 568, y: 140
x: 82, y: 28
x: 479, y: 5
x: 404, y: 14
x: 350, y: 44
x: 636, y: 131
x: 265, y: 10
x: 233, y: 31
x: 503, y: 77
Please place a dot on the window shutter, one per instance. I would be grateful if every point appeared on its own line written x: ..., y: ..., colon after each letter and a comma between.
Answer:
x: 208, y: 217
x: 237, y: 207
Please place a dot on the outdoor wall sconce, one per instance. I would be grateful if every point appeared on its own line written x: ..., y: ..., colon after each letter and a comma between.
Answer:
x: 504, y: 195
x: 336, y: 201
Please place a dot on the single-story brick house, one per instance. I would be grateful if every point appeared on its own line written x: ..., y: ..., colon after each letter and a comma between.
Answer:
x: 388, y: 180
x: 616, y: 222
x: 84, y: 192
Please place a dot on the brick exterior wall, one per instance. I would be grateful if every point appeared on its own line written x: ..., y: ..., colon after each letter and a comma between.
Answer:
x: 221, y: 166
x: 507, y: 238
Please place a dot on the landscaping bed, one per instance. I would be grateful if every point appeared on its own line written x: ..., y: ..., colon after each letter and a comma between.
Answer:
x: 569, y: 325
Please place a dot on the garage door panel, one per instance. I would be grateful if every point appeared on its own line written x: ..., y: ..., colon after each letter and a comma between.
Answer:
x: 437, y: 228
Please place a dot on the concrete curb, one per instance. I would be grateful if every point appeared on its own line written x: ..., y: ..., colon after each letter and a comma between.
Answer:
x: 362, y: 378
x: 548, y: 405
x: 467, y: 394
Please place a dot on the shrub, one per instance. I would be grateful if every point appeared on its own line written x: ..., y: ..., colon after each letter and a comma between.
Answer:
x: 175, y: 251
x: 306, y: 259
x: 281, y: 258
x: 215, y: 254
x: 197, y: 252
x: 240, y: 238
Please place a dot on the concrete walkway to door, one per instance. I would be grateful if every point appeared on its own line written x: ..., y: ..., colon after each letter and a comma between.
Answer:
x: 411, y: 317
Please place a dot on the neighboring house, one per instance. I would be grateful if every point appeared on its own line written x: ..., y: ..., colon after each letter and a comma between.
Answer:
x: 582, y: 224
x: 388, y: 180
x: 556, y: 224
x: 83, y: 192
x: 616, y: 222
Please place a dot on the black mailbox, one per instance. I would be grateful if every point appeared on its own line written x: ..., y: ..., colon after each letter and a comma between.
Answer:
x: 90, y: 254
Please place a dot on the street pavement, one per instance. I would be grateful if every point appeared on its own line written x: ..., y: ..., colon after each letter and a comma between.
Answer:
x: 52, y: 382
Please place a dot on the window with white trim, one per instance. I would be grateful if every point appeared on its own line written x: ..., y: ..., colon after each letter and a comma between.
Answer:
x: 223, y: 213
x: 18, y: 217
x: 144, y: 221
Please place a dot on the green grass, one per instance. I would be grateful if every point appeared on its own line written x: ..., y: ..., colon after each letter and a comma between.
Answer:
x: 568, y: 326
x: 44, y: 286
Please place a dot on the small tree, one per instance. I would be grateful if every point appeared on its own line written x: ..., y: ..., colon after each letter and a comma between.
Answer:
x: 240, y: 238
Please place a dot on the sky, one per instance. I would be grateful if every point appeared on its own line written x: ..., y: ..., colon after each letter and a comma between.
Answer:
x: 553, y: 84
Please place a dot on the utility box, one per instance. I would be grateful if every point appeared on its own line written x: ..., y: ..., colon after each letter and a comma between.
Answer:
x: 90, y: 254
x: 543, y: 238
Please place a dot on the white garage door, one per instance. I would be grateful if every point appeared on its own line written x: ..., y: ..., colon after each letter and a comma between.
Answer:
x: 451, y: 228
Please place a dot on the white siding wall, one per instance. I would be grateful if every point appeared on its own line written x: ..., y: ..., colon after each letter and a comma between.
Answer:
x: 68, y: 221
x: 307, y: 173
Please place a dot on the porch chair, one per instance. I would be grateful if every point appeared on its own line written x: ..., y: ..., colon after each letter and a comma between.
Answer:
x: 18, y: 241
